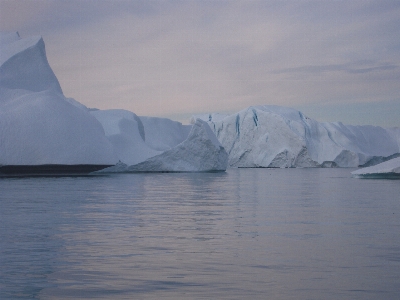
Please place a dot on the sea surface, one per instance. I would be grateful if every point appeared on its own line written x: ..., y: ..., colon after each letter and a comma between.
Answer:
x: 241, y: 234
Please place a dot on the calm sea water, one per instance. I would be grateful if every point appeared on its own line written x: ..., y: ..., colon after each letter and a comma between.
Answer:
x: 246, y: 233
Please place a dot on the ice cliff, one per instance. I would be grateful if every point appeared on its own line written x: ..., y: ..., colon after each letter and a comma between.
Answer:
x: 274, y: 136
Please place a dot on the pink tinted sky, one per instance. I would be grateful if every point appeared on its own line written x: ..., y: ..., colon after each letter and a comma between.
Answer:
x: 334, y: 60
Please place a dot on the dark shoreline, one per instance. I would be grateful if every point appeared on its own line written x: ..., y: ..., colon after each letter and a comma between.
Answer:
x: 49, y: 169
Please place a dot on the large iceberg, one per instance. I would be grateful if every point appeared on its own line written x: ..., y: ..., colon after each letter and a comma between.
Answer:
x: 274, y: 136
x: 42, y: 131
x: 39, y: 126
x: 387, y: 169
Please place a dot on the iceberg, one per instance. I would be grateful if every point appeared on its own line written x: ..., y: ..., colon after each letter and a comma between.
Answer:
x: 387, y: 169
x: 200, y: 152
x: 125, y: 131
x: 163, y: 134
x: 41, y: 129
x: 280, y: 137
x: 150, y: 144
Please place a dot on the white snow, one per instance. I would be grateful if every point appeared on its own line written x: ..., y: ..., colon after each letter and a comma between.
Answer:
x: 150, y: 144
x: 200, y: 152
x: 38, y: 125
x: 125, y: 131
x: 390, y: 168
x: 274, y: 136
x: 163, y: 134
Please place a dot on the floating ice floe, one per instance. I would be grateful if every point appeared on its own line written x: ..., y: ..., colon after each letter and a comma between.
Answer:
x: 387, y: 169
x: 280, y: 137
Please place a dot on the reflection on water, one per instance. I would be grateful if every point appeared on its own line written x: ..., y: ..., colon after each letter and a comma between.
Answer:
x: 255, y: 233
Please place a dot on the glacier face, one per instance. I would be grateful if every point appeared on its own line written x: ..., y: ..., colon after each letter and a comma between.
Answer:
x: 38, y: 125
x: 274, y: 136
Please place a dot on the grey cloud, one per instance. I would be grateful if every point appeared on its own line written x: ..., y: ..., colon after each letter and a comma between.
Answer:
x: 352, y: 68
x: 165, y: 57
x: 373, y: 69
x: 45, y: 17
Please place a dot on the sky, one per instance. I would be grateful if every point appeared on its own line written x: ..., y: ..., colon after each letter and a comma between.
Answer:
x: 334, y: 60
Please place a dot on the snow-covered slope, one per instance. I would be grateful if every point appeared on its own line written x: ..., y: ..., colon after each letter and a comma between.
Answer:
x: 38, y: 125
x: 274, y: 136
x: 387, y: 169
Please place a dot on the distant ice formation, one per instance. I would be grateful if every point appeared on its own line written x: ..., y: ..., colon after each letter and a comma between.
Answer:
x: 280, y: 137
x: 39, y: 126
x: 387, y: 169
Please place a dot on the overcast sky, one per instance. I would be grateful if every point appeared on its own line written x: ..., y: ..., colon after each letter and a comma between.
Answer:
x: 333, y: 60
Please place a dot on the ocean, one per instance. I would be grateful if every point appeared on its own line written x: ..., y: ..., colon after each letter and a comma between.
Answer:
x: 240, y: 234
